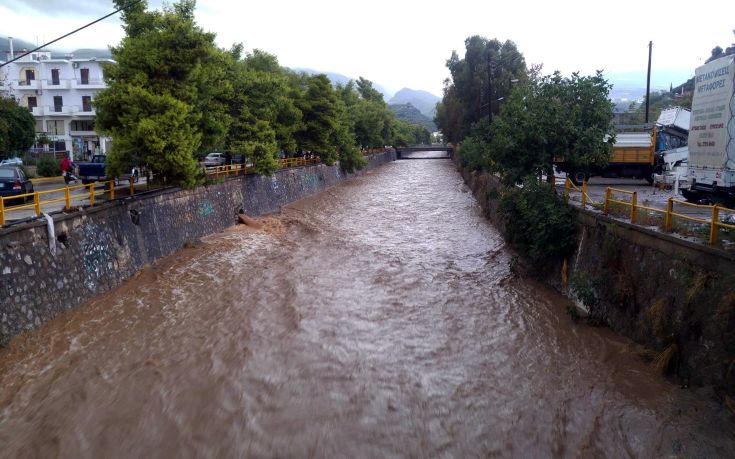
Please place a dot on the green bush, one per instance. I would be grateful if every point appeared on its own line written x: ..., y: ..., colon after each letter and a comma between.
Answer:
x: 538, y: 222
x: 48, y: 167
x: 473, y: 154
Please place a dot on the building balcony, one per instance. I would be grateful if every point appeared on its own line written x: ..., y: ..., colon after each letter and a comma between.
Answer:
x: 82, y: 133
x: 25, y: 84
x: 49, y: 84
x: 90, y: 84
x: 76, y: 110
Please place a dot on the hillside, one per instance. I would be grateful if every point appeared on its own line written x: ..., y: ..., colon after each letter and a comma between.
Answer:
x: 342, y: 79
x: 408, y: 112
x: 20, y: 45
x: 424, y: 101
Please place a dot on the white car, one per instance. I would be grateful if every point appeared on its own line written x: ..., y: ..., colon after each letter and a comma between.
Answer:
x: 214, y: 159
x: 11, y: 162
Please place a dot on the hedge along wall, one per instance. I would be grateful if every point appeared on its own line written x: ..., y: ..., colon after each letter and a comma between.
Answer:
x: 97, y: 248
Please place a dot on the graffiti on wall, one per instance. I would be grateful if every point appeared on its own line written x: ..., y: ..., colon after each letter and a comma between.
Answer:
x: 309, y: 180
x: 205, y: 209
x: 95, y: 254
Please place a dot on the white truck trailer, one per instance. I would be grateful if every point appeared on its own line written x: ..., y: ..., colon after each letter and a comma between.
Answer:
x: 712, y: 134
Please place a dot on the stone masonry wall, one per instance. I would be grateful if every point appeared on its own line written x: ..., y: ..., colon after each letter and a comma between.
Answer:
x: 97, y: 248
x: 659, y: 290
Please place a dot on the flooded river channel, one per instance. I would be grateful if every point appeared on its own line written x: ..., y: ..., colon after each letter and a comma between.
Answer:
x: 377, y: 319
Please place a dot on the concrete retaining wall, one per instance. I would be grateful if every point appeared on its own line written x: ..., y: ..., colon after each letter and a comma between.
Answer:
x: 654, y: 288
x: 97, y: 248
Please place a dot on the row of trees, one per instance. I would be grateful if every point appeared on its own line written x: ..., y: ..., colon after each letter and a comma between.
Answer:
x: 517, y: 122
x: 174, y: 93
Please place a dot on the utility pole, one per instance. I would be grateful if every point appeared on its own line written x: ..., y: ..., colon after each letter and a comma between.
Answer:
x: 648, y: 79
x: 489, y: 88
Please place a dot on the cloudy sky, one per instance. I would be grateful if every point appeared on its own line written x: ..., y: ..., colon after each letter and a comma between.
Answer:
x: 405, y: 43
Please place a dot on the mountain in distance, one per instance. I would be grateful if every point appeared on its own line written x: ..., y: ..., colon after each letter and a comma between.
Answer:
x: 407, y: 112
x: 341, y: 79
x: 631, y: 86
x: 424, y: 101
x: 19, y: 46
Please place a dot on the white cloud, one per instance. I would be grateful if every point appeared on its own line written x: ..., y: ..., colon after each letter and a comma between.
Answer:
x: 406, y: 43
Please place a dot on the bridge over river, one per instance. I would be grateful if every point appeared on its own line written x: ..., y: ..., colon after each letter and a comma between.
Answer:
x: 419, y: 152
x: 380, y: 318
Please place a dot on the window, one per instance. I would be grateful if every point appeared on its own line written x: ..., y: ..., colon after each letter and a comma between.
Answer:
x: 85, y: 76
x: 32, y: 103
x: 55, y: 127
x: 86, y: 103
x: 30, y: 76
x: 54, y: 76
x: 39, y: 126
x: 82, y: 125
x: 58, y: 103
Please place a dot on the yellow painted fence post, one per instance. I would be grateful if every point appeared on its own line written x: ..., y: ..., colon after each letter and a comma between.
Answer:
x: 633, y: 204
x: 606, y: 206
x: 37, y: 203
x: 67, y: 198
x: 713, y: 224
x: 132, y: 186
x: 567, y: 188
x: 91, y: 194
x: 669, y: 218
x: 584, y: 194
x: 112, y: 190
x: 2, y: 211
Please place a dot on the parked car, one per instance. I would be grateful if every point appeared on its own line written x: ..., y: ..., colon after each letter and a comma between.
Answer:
x: 13, y: 182
x: 214, y: 159
x: 96, y: 171
x: 93, y: 171
x: 11, y: 162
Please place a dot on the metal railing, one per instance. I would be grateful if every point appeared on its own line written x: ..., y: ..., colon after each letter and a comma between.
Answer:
x: 242, y: 169
x: 714, y: 222
x: 65, y: 195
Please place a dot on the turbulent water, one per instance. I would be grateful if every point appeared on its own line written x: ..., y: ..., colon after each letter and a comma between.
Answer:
x: 377, y: 319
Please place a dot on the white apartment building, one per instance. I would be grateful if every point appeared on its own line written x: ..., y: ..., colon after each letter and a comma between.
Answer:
x: 59, y: 93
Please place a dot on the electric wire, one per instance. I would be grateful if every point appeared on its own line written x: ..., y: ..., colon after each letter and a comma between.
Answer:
x: 133, y: 2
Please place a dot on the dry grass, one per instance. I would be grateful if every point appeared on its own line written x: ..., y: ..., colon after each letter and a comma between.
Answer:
x: 662, y: 361
x: 656, y: 315
x: 697, y: 286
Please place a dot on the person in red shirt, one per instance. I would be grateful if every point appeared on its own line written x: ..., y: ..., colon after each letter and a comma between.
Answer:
x: 65, y: 165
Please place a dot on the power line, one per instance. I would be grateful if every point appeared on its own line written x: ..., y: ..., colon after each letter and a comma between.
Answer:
x: 133, y: 2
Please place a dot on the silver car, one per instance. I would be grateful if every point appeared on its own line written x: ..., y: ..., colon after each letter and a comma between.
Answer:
x: 214, y: 159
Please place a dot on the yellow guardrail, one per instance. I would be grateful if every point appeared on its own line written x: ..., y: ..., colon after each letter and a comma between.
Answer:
x: 91, y: 191
x: 242, y: 169
x: 714, y: 221
x: 570, y: 187
x: 47, y: 179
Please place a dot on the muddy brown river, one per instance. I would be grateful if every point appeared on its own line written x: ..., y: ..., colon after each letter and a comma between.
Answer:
x: 377, y: 319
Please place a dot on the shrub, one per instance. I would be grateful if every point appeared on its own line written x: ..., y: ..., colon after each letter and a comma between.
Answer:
x: 473, y: 154
x: 48, y: 167
x: 538, y: 222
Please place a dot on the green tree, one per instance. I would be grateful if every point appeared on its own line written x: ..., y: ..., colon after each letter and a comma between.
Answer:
x: 166, y: 96
x: 17, y: 128
x: 263, y: 109
x: 320, y: 116
x: 568, y: 120
x: 479, y: 81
